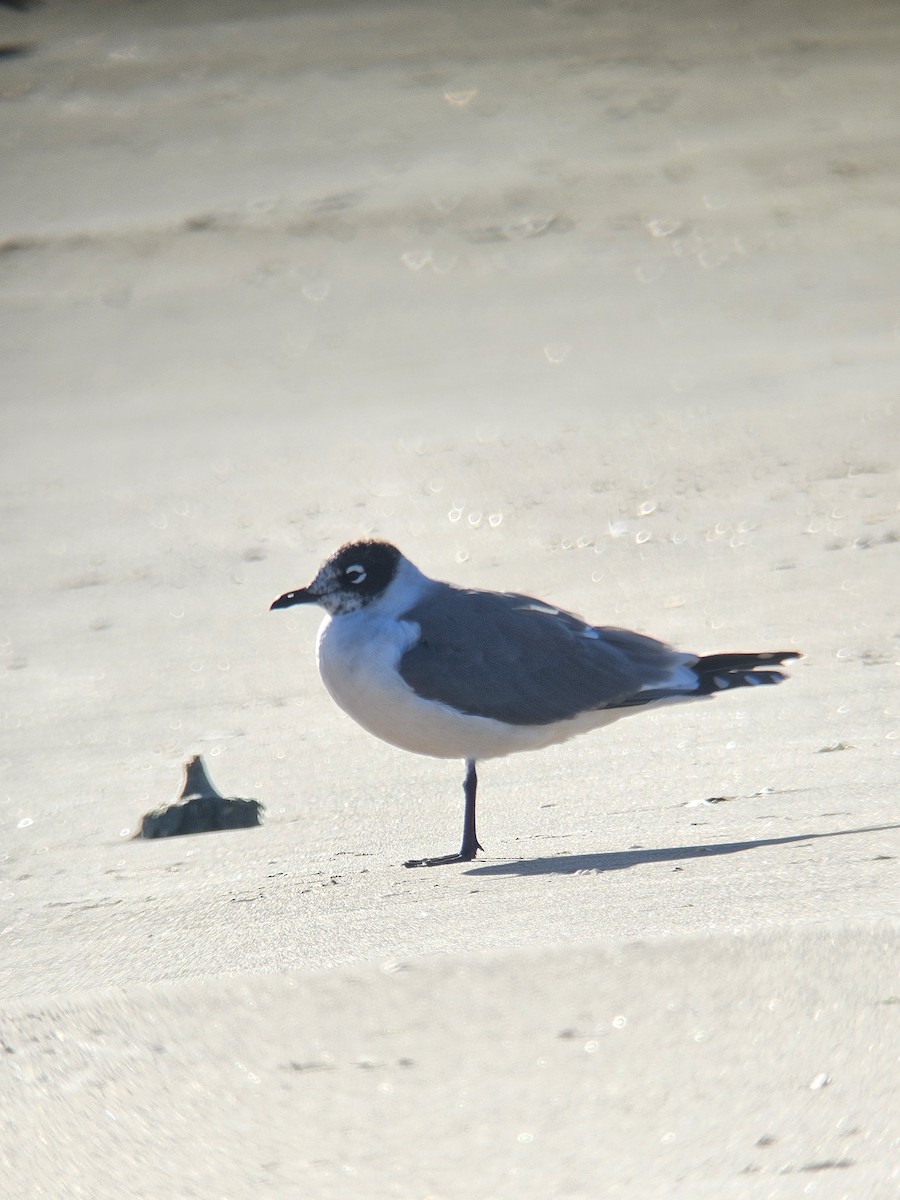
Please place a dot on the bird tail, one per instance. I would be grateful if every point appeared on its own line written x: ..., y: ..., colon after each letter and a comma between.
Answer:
x: 718, y: 672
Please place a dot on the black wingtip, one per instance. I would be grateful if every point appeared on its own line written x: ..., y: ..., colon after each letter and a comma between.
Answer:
x: 744, y: 661
x: 719, y: 672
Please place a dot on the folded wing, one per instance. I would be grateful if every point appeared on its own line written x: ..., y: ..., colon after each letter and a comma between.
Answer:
x: 518, y: 660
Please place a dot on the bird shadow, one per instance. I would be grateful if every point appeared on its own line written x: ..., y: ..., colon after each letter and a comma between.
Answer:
x: 620, y: 860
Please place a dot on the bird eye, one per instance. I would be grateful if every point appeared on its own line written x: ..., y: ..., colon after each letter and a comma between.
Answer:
x: 356, y: 573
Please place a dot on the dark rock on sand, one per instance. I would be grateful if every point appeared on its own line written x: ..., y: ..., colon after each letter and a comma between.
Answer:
x: 199, y: 809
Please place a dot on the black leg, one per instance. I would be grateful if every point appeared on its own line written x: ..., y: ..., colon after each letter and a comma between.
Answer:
x: 470, y: 843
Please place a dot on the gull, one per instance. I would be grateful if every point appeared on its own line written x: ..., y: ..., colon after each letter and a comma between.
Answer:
x: 455, y: 672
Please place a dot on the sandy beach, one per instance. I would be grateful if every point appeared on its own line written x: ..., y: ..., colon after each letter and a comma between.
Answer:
x: 596, y: 303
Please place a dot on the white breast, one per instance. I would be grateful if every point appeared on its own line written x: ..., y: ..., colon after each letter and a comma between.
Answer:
x: 358, y: 654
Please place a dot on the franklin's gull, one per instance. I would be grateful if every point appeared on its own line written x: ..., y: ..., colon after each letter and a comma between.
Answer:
x: 459, y: 673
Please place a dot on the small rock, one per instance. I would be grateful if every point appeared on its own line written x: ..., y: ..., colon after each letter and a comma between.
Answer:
x: 199, y: 809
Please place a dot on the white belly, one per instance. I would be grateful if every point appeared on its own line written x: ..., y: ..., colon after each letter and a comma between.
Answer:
x: 358, y: 656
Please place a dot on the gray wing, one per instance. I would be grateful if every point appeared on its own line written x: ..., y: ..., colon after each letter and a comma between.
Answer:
x: 515, y: 659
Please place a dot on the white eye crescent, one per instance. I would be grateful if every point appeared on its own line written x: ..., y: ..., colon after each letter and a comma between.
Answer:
x: 356, y: 573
